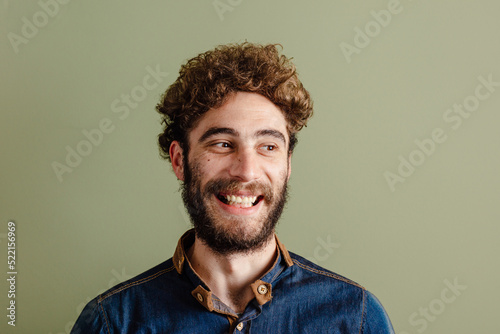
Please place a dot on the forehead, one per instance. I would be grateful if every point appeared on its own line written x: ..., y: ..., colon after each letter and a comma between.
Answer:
x: 244, y: 112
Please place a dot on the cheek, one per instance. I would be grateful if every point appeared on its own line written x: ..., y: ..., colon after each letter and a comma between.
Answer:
x: 202, y: 160
x: 279, y: 175
x: 208, y: 168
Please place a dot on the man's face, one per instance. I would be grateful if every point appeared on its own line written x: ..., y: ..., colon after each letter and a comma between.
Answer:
x: 236, y: 173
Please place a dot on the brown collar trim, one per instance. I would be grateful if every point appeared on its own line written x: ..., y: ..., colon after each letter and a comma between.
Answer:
x: 180, y: 255
x: 262, y: 291
x: 284, y: 252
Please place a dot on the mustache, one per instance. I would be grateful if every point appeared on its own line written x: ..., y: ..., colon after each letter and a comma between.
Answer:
x: 231, y: 185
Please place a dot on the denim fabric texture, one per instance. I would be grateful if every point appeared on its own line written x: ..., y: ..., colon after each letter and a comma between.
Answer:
x: 294, y: 296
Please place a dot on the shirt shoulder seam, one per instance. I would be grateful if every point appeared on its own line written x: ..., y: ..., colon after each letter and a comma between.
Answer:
x: 362, y: 314
x: 134, y: 283
x: 105, y: 318
x: 328, y: 274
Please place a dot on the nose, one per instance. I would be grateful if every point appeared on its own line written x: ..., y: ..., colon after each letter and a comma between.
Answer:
x: 245, y: 165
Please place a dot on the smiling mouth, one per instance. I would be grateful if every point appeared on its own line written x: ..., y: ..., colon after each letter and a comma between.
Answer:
x: 240, y: 201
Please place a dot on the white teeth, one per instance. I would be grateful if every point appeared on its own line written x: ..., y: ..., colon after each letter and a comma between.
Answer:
x: 243, y: 201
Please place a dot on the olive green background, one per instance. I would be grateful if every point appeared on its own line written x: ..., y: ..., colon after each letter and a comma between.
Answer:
x: 119, y: 212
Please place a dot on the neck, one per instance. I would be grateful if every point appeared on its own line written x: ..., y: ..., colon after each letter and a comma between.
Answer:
x: 229, y: 276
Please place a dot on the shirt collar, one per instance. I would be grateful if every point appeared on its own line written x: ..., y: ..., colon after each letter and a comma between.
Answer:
x: 262, y: 288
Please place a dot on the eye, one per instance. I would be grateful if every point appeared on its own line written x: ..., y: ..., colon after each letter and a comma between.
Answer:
x: 270, y: 147
x: 222, y: 145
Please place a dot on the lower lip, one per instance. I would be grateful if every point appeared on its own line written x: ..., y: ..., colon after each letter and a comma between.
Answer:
x: 239, y: 210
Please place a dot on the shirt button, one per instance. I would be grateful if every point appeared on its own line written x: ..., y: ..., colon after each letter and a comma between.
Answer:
x: 262, y: 289
x: 239, y: 326
x: 200, y: 297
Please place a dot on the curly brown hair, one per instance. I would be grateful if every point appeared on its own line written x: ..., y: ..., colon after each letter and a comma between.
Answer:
x: 207, y: 80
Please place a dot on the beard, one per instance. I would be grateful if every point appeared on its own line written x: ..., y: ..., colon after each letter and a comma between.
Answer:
x: 236, y: 236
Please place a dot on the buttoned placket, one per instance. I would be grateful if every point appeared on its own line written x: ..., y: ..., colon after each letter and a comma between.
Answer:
x: 239, y: 324
x: 261, y: 288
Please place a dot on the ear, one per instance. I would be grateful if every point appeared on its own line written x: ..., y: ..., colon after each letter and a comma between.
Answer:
x: 289, y: 167
x: 176, y: 157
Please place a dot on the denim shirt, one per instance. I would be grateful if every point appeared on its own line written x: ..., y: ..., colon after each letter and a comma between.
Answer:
x: 294, y: 296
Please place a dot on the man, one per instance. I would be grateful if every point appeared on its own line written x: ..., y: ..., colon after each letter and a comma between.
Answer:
x: 231, y: 120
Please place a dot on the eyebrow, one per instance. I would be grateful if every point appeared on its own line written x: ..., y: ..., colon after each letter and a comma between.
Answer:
x: 261, y: 133
x: 273, y: 133
x: 215, y: 131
